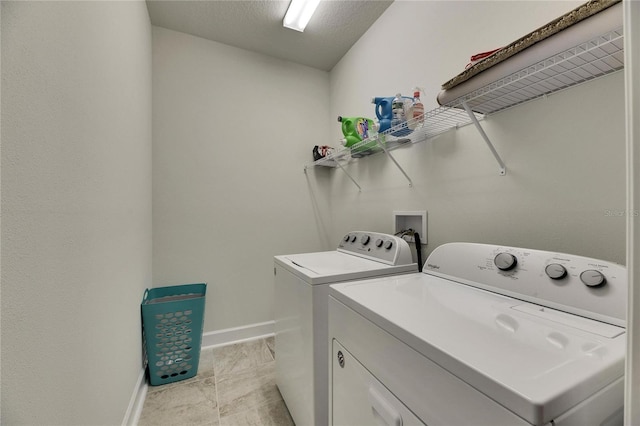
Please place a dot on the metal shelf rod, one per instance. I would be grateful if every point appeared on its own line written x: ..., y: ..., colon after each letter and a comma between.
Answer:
x: 472, y: 116
x: 349, y: 176
x: 386, y: 151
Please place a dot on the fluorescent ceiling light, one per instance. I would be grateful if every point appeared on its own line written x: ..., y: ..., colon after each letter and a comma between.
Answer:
x: 299, y: 13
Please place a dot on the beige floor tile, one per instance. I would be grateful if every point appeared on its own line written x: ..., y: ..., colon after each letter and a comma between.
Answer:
x: 235, y: 385
x: 192, y: 403
x: 270, y: 414
x: 205, y: 368
x: 238, y: 357
x: 247, y: 389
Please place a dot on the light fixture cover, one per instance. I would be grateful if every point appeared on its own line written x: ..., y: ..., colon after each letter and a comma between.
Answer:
x: 299, y: 13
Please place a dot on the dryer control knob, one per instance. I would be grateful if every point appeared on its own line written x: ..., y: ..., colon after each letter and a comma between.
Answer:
x: 555, y: 271
x: 346, y: 238
x: 592, y: 278
x: 379, y: 242
x: 388, y: 245
x: 353, y: 239
x: 505, y: 261
x: 365, y: 240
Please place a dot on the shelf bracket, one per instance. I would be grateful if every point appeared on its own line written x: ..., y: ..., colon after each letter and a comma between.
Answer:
x: 474, y: 120
x: 349, y: 176
x: 386, y: 151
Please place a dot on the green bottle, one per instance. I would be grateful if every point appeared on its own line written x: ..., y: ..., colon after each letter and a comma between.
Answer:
x: 355, y: 130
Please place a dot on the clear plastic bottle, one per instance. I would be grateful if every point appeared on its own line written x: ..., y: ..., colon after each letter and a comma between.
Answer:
x: 418, y: 107
x: 397, y: 107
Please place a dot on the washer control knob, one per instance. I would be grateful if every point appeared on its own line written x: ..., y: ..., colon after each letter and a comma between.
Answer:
x: 555, y: 271
x: 365, y: 240
x: 346, y: 238
x: 388, y: 245
x: 379, y: 243
x: 353, y: 239
x: 592, y: 278
x: 505, y: 261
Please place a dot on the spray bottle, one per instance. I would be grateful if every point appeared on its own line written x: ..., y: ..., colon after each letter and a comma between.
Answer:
x: 418, y: 108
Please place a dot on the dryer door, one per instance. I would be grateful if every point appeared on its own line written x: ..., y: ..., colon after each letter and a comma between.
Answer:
x: 358, y: 398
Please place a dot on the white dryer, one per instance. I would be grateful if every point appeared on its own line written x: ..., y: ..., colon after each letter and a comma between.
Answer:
x: 301, y: 300
x: 486, y: 335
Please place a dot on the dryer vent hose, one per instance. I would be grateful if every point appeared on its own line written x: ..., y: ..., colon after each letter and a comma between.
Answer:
x: 416, y: 238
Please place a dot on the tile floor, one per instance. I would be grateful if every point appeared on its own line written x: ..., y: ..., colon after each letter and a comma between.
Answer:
x: 235, y: 385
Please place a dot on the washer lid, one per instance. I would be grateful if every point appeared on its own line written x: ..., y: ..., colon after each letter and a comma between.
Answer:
x: 537, y: 366
x: 334, y: 266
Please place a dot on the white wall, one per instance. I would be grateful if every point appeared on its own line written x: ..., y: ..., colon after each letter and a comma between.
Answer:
x: 632, y: 72
x: 76, y: 208
x: 565, y: 155
x: 231, y: 132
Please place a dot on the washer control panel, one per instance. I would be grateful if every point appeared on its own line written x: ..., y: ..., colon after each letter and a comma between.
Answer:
x: 584, y: 286
x: 384, y: 248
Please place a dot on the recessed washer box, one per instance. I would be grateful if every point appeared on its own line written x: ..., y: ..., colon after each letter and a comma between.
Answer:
x: 416, y: 220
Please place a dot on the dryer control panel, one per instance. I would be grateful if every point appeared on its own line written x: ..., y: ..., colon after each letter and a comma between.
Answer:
x: 383, y: 248
x: 580, y: 285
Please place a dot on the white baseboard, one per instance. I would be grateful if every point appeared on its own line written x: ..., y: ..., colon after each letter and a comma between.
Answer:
x: 136, y: 403
x: 237, y: 334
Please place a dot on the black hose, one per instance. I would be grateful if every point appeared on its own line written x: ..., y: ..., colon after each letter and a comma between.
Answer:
x: 416, y: 238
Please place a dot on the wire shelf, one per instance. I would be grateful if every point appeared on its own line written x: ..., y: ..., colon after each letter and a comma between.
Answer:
x: 592, y: 59
x: 595, y: 58
x: 431, y: 124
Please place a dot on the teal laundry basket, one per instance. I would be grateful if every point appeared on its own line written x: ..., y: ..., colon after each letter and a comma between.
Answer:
x: 172, y: 322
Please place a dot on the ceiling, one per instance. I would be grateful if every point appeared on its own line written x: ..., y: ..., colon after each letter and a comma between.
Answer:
x: 256, y: 25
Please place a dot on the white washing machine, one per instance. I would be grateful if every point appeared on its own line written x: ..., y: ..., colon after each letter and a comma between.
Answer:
x: 301, y: 300
x: 486, y: 335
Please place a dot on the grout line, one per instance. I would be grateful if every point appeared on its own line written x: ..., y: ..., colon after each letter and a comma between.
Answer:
x: 215, y: 382
x: 264, y: 343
